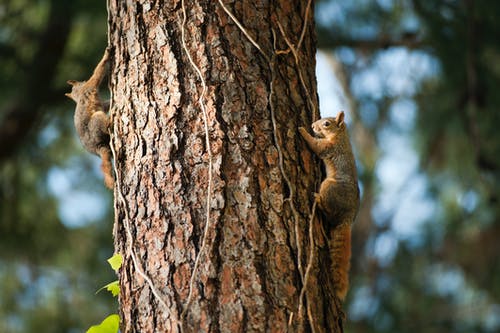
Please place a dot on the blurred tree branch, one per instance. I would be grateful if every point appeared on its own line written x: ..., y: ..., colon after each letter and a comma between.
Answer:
x: 23, y: 113
x: 327, y: 39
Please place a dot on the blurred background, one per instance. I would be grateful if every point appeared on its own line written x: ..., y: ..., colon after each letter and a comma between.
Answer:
x: 418, y: 81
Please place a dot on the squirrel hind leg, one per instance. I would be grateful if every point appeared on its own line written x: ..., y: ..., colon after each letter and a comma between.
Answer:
x: 107, y: 167
x: 99, y: 122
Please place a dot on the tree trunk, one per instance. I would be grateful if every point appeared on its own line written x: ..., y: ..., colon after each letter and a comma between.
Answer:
x: 214, y: 185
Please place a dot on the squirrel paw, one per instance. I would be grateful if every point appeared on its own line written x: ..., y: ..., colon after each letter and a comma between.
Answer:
x: 303, y: 131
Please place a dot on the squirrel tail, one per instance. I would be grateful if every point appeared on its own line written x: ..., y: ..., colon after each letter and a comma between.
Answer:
x: 340, y: 252
x: 107, y: 167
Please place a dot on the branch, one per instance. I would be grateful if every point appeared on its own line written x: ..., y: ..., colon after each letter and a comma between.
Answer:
x: 328, y: 40
x: 22, y: 115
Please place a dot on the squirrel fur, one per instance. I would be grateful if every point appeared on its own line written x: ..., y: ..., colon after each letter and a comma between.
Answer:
x: 338, y: 197
x: 91, y: 120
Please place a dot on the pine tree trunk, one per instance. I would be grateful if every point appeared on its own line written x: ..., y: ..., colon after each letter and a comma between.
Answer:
x: 206, y: 102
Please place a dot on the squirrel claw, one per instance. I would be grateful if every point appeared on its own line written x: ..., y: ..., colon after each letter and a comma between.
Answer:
x: 304, y: 133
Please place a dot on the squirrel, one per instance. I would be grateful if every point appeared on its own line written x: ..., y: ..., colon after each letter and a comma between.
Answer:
x: 338, y: 197
x: 91, y: 120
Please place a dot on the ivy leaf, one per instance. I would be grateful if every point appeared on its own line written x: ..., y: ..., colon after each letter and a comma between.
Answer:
x: 116, y: 261
x: 112, y: 287
x: 108, y: 325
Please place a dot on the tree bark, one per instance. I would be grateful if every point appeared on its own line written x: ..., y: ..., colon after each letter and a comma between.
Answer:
x: 214, y: 185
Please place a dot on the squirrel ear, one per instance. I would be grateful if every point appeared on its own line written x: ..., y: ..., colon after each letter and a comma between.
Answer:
x: 340, y: 119
x: 69, y: 95
x: 71, y: 82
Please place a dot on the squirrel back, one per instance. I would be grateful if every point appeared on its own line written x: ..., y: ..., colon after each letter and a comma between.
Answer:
x: 91, y: 121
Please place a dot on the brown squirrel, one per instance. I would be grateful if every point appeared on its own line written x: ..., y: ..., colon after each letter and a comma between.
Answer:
x: 338, y: 197
x: 91, y: 120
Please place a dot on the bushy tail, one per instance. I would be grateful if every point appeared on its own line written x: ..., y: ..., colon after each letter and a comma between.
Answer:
x: 340, y: 252
x: 107, y: 167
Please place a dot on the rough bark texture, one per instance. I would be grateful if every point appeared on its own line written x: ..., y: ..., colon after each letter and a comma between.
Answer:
x: 248, y: 279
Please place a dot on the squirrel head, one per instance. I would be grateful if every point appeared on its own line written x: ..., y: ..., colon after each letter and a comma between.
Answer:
x: 328, y: 127
x: 75, y: 91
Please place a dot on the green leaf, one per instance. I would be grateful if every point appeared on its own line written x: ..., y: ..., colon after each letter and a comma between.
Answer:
x: 116, y: 261
x: 112, y: 287
x: 108, y: 325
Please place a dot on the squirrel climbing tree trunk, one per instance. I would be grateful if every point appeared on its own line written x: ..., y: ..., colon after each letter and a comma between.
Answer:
x: 214, y: 185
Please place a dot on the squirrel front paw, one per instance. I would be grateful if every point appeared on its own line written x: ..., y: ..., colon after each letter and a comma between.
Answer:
x: 303, y: 131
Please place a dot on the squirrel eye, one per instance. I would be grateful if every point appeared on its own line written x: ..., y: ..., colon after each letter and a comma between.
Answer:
x: 326, y: 124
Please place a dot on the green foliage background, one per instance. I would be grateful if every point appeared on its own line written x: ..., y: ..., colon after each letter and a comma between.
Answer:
x: 49, y: 269
x: 443, y: 275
